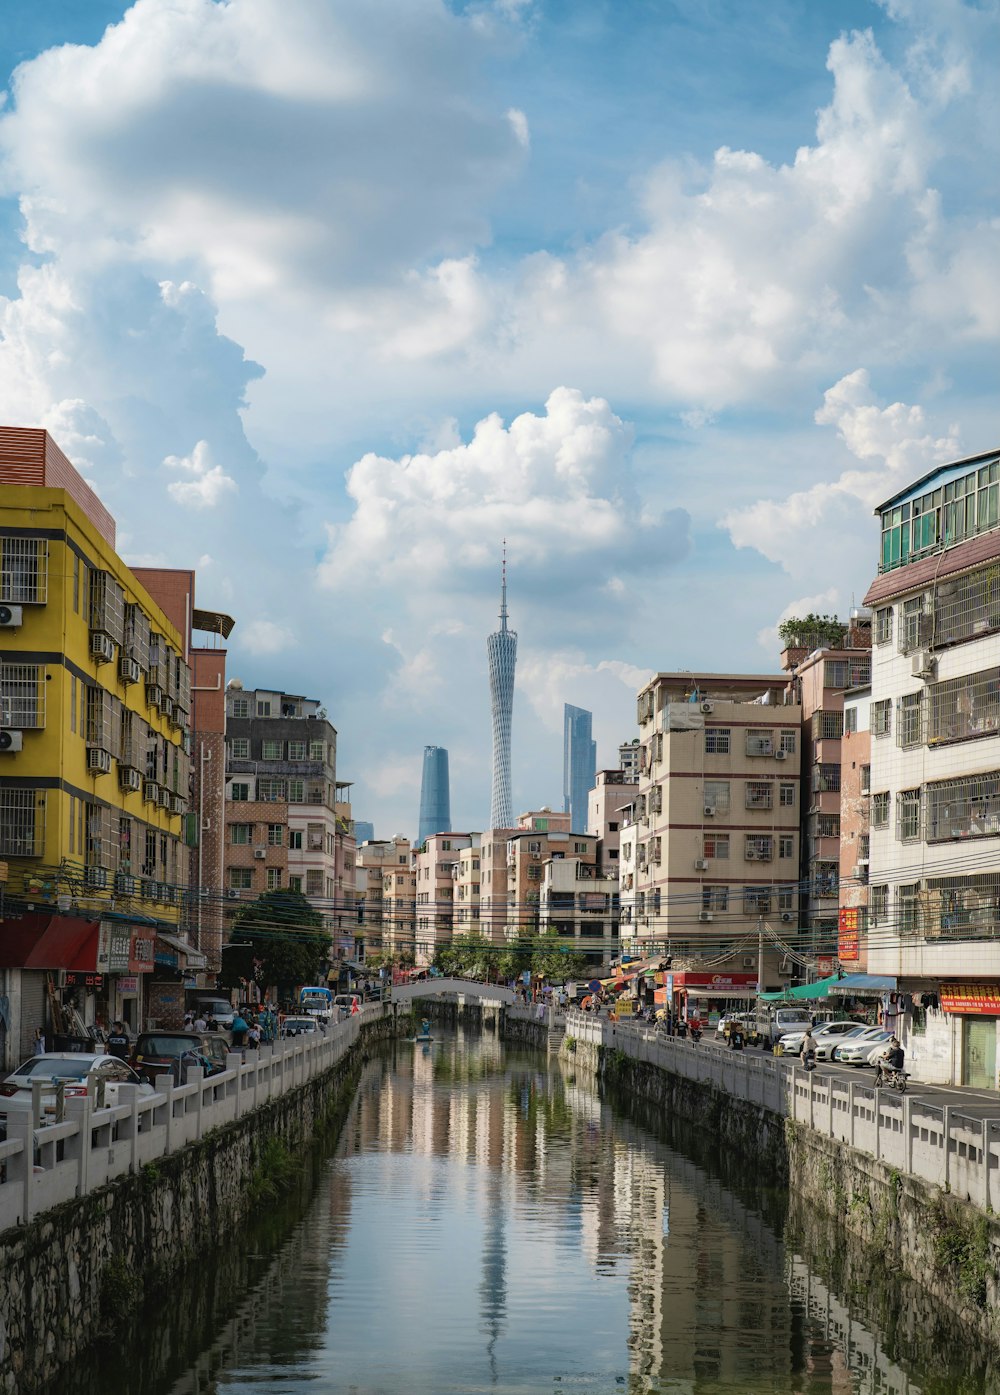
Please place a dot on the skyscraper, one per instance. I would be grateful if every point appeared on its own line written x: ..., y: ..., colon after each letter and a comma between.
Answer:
x: 579, y: 764
x: 501, y: 647
x: 435, y: 799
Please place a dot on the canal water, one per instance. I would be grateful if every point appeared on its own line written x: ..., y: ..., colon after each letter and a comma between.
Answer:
x: 487, y: 1223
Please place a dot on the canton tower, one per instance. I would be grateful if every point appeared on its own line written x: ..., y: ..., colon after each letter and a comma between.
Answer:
x: 501, y: 649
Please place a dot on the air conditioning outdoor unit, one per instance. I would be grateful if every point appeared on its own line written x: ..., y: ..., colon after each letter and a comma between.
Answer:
x: 700, y: 864
x: 128, y: 669
x: 11, y: 616
x: 232, y: 894
x: 129, y: 779
x: 154, y: 694
x: 10, y: 741
x: 176, y: 804
x: 748, y: 961
x: 167, y: 706
x: 781, y: 755
x: 787, y: 917
x: 95, y: 877
x: 150, y: 791
x: 102, y: 647
x: 709, y: 811
x: 98, y: 761
x: 163, y: 797
x: 705, y: 917
x: 751, y: 855
x: 124, y: 884
x: 924, y: 665
x: 708, y: 707
x: 260, y: 854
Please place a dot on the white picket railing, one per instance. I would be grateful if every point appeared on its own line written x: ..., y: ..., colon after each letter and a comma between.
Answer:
x: 934, y: 1142
x: 44, y: 1166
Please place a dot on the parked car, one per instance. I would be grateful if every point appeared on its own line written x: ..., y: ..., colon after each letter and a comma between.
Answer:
x: 162, y: 1053
x: 791, y: 1042
x: 772, y: 1025
x: 81, y: 1071
x: 301, y: 1026
x: 343, y: 1005
x: 856, y: 1051
x: 827, y: 1043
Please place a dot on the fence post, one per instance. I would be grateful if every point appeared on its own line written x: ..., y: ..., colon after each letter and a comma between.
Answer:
x: 850, y: 1106
x: 234, y: 1062
x: 78, y: 1110
x: 908, y: 1132
x: 21, y: 1167
x: 987, y: 1200
x: 946, y: 1130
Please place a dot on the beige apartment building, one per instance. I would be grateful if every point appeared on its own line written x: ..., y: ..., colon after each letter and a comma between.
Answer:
x: 541, y: 836
x: 374, y: 859
x: 399, y: 899
x: 467, y: 881
x: 579, y: 904
x: 855, y: 830
x: 435, y: 864
x: 493, y: 884
x: 714, y: 841
x: 613, y: 793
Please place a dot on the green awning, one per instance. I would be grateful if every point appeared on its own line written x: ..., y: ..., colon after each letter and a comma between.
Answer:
x: 805, y: 992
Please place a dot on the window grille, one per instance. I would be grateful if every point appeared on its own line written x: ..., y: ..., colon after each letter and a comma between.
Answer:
x: 962, y: 907
x: 315, y: 792
x: 716, y: 845
x: 658, y: 746
x: 864, y: 846
x: 107, y: 605
x: 965, y: 708
x: 103, y: 727
x: 881, y: 715
x: 655, y: 850
x: 883, y: 625
x: 835, y: 673
x: 717, y: 741
x: 826, y: 779
x: 22, y: 822
x: 756, y: 900
x: 910, y: 720
x: 908, y: 908
x: 916, y: 623
x: 908, y: 815
x: 878, y: 904
x: 825, y: 825
x: 965, y: 808
x: 759, y: 794
x: 24, y: 571
x: 102, y: 837
x: 183, y: 687
x: 760, y: 743
x: 967, y: 606
x: 825, y: 879
x: 866, y: 779
x: 22, y: 696
x: 717, y: 795
x: 135, y: 636
x: 271, y: 791
x: 859, y: 671
x: 880, y: 810
x: 758, y: 848
x: 655, y: 800
x: 827, y: 726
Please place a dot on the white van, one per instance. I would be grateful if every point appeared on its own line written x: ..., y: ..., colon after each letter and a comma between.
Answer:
x: 343, y: 1005
x: 219, y: 1008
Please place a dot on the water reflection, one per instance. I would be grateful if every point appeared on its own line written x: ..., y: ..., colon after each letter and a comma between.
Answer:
x: 488, y: 1225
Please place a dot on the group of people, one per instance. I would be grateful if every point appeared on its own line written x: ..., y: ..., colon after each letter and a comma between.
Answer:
x: 252, y: 1027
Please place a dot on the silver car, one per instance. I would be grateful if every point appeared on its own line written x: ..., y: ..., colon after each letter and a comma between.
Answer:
x: 82, y: 1072
x: 825, y: 1036
x: 856, y: 1051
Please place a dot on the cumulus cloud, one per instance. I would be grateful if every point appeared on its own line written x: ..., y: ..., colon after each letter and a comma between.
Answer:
x: 263, y: 637
x: 208, y: 484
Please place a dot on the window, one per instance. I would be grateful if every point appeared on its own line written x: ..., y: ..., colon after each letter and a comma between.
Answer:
x: 909, y: 724
x: 835, y: 673
x: 786, y: 845
x: 295, y: 839
x: 965, y: 708
x: 579, y: 847
x: 760, y: 743
x: 272, y: 791
x: 828, y: 726
x: 787, y: 742
x: 826, y: 779
x: 850, y: 720
x: 273, y: 878
x: 272, y: 750
x: 883, y: 625
x: 759, y: 794
x: 296, y: 750
x: 76, y: 584
x: 240, y: 878
x: 786, y: 898
x: 72, y: 702
x: 240, y: 833
x: 240, y: 748
x: 314, y: 883
x: 317, y: 750
x: 965, y: 808
x: 908, y: 815
x: 717, y: 741
x: 275, y: 835
x: 534, y: 873
x: 295, y: 884
x: 880, y: 810
x: 717, y: 845
x: 881, y: 717
x: 717, y: 795
x: 908, y: 908
x: 878, y: 904
x: 758, y: 847
x: 864, y: 846
x: 756, y: 900
x: 786, y: 796
x: 866, y: 779
x: 240, y: 791
x: 715, y: 898
x: 241, y: 707
x: 534, y: 847
x: 296, y: 791
x: 263, y: 707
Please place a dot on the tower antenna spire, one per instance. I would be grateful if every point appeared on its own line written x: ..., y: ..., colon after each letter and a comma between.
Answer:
x: 503, y: 589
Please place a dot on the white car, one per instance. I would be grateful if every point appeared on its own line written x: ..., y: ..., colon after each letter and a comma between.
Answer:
x: 82, y: 1072
x: 828, y: 1044
x: 856, y: 1051
x: 309, y: 1025
x: 825, y: 1035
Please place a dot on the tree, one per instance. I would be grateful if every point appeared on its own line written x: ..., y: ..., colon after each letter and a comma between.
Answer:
x: 286, y: 941
x: 553, y: 959
x: 812, y: 632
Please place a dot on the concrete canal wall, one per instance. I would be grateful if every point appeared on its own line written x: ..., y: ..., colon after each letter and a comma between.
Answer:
x: 877, y: 1217
x: 70, y: 1275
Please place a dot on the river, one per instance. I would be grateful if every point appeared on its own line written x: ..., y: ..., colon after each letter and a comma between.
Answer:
x: 490, y: 1224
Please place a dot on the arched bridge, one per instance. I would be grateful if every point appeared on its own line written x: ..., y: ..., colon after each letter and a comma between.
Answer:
x: 435, y: 987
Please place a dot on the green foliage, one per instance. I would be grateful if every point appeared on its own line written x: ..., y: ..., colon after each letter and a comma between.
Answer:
x: 812, y: 632
x: 286, y: 944
x: 275, y: 1173
x: 545, y: 956
x: 120, y: 1291
x: 962, y: 1248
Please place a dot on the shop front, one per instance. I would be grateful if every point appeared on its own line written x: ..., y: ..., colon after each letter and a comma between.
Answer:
x: 125, y: 956
x: 977, y: 1005
x: 707, y: 996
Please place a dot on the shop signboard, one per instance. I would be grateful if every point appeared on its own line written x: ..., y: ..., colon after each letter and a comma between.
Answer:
x: 849, y: 935
x: 76, y: 978
x: 971, y: 999
x: 723, y: 983
x: 128, y: 983
x: 124, y: 948
x: 670, y: 990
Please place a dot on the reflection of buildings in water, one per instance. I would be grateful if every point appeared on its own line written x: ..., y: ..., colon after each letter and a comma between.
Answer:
x: 493, y: 1287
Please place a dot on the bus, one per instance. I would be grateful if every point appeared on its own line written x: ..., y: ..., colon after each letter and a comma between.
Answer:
x: 317, y: 1002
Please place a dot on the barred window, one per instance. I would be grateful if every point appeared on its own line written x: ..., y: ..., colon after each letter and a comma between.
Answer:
x: 916, y: 623
x: 965, y: 808
x: 881, y: 717
x: 22, y: 822
x: 759, y: 794
x: 908, y: 815
x: 22, y: 696
x: 880, y: 810
x: 966, y: 606
x: 963, y: 907
x: 717, y: 795
x: 878, y: 904
x: 825, y: 879
x: 756, y: 900
x: 715, y: 898
x: 760, y: 743
x: 866, y: 779
x: 826, y: 778
x: 272, y: 791
x: 717, y: 845
x: 24, y: 565
x: 240, y: 878
x: 883, y: 625
x: 828, y: 726
x: 908, y: 908
x: 909, y: 719
x: 717, y: 741
x: 758, y: 848
x: 965, y: 708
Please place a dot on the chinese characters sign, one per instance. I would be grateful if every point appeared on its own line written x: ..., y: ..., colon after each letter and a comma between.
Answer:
x: 849, y: 934
x: 125, y: 949
x: 982, y: 999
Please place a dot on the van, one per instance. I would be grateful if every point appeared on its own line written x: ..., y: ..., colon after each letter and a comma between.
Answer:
x: 772, y: 1025
x: 343, y: 1005
x: 219, y: 1008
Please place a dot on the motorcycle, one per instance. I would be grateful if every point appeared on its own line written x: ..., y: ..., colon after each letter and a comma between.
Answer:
x: 809, y: 1060
x: 887, y: 1075
x: 695, y: 1034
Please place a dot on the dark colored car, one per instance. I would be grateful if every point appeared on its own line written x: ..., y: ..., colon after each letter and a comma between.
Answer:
x: 162, y: 1053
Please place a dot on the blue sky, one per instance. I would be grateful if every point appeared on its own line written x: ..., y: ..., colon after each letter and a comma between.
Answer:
x: 327, y: 299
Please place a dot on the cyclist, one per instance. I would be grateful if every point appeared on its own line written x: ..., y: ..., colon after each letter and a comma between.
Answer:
x: 894, y: 1057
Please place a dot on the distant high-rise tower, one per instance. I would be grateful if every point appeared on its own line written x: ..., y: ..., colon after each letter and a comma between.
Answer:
x: 501, y: 648
x: 579, y: 764
x: 435, y: 799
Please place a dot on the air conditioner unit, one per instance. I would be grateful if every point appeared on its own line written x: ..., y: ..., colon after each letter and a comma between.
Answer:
x: 98, y: 761
x: 705, y: 917
x: 96, y: 878
x: 11, y: 616
x: 785, y: 968
x: 751, y: 855
x: 176, y: 804
x: 150, y: 791
x: 708, y: 707
x: 125, y: 885
x: 10, y: 741
x: 787, y: 917
x: 232, y: 894
x: 154, y: 694
x: 700, y: 864
x: 709, y: 811
x: 102, y: 647
x: 163, y: 797
x: 780, y: 755
x: 128, y: 669
x: 167, y: 706
x: 129, y: 779
x: 748, y: 961
x: 260, y: 854
x: 150, y: 890
x: 924, y: 665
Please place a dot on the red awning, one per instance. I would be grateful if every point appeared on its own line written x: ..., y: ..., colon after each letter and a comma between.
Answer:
x: 49, y: 942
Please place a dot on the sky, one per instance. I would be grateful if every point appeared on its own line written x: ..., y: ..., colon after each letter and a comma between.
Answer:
x: 328, y: 299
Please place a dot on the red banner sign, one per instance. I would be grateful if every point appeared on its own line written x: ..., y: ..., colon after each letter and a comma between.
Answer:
x: 973, y: 999
x: 849, y: 934
x: 692, y: 980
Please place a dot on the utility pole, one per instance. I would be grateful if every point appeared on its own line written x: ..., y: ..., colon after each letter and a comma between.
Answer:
x: 760, y: 955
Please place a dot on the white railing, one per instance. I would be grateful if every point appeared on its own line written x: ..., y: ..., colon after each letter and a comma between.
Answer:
x: 934, y: 1142
x: 44, y: 1166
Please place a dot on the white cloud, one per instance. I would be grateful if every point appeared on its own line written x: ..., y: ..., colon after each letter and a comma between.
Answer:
x: 208, y: 485
x: 264, y: 637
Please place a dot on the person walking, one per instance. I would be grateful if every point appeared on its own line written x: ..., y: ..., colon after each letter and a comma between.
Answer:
x: 38, y: 1045
x: 118, y: 1042
x: 239, y: 1029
